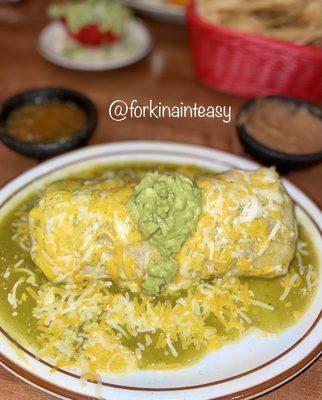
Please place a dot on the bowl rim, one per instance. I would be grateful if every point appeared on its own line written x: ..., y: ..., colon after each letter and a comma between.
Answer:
x: 48, y: 93
x: 263, y: 149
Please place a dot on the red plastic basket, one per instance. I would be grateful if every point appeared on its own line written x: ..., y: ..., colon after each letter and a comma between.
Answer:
x: 250, y: 65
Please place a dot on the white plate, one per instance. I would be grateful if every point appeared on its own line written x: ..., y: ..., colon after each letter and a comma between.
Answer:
x: 159, y: 10
x: 240, y: 370
x: 55, y: 45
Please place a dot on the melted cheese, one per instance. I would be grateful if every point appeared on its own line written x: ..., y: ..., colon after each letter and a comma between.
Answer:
x: 247, y: 228
x: 86, y: 232
x: 87, y: 324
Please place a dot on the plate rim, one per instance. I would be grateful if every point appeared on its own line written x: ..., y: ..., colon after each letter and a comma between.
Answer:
x: 78, y: 156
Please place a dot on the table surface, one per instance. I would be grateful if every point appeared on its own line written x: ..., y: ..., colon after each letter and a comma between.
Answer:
x: 166, y: 75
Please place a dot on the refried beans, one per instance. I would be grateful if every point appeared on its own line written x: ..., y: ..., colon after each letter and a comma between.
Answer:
x: 283, y: 126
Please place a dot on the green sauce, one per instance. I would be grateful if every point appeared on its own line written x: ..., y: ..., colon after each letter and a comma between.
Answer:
x: 21, y: 326
x: 269, y: 291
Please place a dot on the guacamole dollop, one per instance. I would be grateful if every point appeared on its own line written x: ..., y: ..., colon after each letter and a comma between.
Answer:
x: 106, y: 14
x: 166, y: 209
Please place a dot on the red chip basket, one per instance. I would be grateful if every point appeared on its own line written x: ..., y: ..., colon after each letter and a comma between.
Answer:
x: 250, y: 65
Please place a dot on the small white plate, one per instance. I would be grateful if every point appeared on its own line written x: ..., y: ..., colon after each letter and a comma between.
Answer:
x: 55, y: 45
x: 159, y: 9
x: 244, y: 369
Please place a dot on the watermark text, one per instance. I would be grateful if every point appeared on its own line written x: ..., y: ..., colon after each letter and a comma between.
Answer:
x: 120, y: 110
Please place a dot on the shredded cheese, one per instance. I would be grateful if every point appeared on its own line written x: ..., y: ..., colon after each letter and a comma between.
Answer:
x: 12, y: 297
x: 262, y: 305
x: 289, y: 287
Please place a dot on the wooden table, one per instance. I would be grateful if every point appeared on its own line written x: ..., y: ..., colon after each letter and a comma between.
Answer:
x: 166, y: 75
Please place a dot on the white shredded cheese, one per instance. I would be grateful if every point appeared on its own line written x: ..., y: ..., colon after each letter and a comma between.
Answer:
x: 148, y: 340
x: 275, y: 230
x: 18, y: 263
x: 251, y: 211
x: 245, y: 317
x: 12, y: 297
x: 263, y: 305
x: 288, y: 288
x: 308, y: 278
x: 211, y: 246
x: 171, y: 347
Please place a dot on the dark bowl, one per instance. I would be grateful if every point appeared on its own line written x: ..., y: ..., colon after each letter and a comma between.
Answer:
x: 48, y: 149
x: 268, y: 156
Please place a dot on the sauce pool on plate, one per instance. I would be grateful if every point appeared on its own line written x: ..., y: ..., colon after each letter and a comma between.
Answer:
x: 45, y: 122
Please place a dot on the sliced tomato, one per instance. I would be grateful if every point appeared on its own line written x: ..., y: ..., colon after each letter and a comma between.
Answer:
x: 92, y: 35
